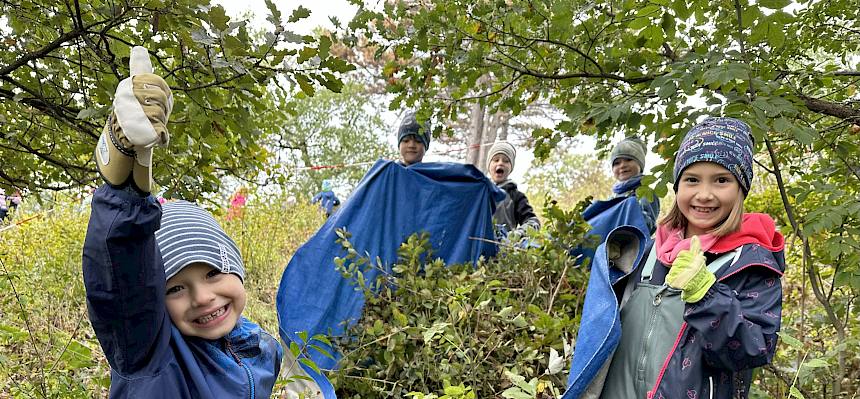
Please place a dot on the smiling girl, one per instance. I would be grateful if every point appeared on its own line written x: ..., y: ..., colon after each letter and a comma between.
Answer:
x: 704, y: 308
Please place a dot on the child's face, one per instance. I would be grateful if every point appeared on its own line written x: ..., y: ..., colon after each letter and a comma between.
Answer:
x: 625, y: 168
x: 706, y: 195
x: 411, y: 150
x: 203, y: 302
x: 500, y: 168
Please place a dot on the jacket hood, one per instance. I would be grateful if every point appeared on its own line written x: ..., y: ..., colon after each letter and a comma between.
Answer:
x: 756, y: 228
x: 507, y: 185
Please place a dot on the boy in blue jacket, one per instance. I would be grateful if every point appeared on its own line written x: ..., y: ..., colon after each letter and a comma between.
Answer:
x: 164, y: 285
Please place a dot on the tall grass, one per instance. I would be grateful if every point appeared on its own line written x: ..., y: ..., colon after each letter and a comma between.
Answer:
x: 47, y: 345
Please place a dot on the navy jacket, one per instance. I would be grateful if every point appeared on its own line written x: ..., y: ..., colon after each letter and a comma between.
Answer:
x: 149, y: 357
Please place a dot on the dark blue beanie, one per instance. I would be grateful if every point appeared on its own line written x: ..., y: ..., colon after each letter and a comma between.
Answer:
x: 724, y: 141
x: 409, y: 126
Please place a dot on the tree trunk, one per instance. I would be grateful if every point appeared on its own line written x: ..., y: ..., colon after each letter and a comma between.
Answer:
x: 476, y: 134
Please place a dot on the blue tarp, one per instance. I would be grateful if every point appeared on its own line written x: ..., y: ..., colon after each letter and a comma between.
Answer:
x: 600, y: 312
x: 603, y: 216
x: 452, y: 202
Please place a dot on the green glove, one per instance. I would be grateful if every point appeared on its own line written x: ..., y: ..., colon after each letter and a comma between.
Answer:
x: 689, y: 274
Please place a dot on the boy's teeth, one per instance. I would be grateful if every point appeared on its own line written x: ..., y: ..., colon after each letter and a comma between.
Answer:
x: 210, y: 317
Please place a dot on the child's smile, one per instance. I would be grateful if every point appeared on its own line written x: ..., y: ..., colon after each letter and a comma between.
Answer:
x: 203, y: 302
x: 706, y: 195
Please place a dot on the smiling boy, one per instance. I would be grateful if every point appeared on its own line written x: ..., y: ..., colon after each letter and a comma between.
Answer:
x: 164, y: 284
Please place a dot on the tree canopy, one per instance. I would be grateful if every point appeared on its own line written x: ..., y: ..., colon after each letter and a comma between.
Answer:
x: 63, y: 61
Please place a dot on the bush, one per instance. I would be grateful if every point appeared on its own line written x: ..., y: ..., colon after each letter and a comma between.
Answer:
x: 501, y: 329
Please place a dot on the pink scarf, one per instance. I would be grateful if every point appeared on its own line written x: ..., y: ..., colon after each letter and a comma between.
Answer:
x: 756, y: 228
x: 669, y: 242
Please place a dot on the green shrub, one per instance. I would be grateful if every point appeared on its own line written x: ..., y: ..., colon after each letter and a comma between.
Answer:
x: 501, y: 329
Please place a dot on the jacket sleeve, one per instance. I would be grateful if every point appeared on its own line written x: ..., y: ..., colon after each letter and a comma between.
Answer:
x: 124, y: 280
x: 525, y: 215
x: 737, y: 320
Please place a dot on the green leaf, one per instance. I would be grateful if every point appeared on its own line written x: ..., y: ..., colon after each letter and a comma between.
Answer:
x: 324, y: 46
x: 218, y: 18
x: 774, y: 4
x: 804, y: 134
x: 274, y: 14
x: 791, y: 341
x: 298, y: 14
x: 310, y: 363
x: 815, y: 363
x: 795, y: 393
x: 305, y: 54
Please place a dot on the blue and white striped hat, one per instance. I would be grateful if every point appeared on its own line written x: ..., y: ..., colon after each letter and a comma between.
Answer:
x: 189, y: 234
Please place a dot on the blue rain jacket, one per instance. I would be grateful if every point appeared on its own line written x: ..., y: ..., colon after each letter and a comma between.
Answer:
x: 452, y: 202
x: 149, y: 357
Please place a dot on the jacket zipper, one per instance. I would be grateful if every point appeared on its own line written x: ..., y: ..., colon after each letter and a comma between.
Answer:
x: 666, y: 362
x: 247, y: 370
x: 658, y: 299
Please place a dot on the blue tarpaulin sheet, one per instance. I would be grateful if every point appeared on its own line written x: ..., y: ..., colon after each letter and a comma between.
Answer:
x: 454, y: 203
x: 600, y: 313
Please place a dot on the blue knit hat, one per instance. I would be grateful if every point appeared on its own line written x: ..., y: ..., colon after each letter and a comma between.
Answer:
x: 189, y: 234
x: 724, y: 141
x: 409, y: 126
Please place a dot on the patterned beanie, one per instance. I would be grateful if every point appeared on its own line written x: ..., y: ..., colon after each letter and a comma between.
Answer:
x: 632, y: 148
x: 502, y: 147
x: 189, y: 234
x: 409, y: 126
x: 724, y: 141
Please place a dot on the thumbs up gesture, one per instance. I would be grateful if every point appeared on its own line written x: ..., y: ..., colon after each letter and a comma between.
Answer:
x: 141, y: 109
x: 142, y: 104
x: 690, y: 274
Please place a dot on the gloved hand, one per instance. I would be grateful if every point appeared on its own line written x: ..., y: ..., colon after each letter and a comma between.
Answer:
x: 689, y: 273
x: 142, y: 107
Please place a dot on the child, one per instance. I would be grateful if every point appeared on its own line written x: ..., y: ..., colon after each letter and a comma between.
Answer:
x: 15, y: 199
x: 3, y: 207
x: 164, y: 283
x: 413, y: 139
x: 514, y: 212
x: 628, y: 163
x: 703, y: 310
x: 326, y: 198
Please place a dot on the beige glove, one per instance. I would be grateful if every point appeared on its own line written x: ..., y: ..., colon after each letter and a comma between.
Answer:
x: 142, y: 107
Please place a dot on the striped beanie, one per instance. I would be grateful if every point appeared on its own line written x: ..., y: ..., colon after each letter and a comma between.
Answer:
x: 189, y: 234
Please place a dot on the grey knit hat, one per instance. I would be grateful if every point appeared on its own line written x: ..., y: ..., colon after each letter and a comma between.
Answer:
x: 409, y: 126
x: 189, y: 234
x: 632, y: 148
x: 502, y: 147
